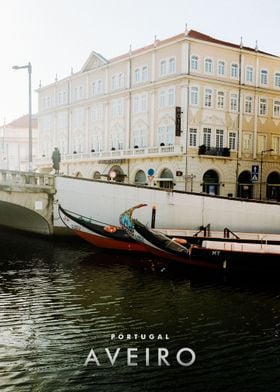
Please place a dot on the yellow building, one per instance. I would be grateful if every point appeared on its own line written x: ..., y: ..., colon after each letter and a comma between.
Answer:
x: 117, y: 119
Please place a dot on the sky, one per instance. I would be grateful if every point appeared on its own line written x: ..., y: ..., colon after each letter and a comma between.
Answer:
x: 58, y: 35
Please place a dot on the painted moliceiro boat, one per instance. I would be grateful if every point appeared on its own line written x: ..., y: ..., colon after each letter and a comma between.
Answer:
x: 99, y: 234
x: 256, y: 253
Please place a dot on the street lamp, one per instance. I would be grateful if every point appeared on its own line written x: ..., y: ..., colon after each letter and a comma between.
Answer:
x: 263, y: 152
x: 29, y: 67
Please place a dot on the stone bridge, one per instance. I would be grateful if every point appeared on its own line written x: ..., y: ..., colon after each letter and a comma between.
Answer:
x: 26, y: 201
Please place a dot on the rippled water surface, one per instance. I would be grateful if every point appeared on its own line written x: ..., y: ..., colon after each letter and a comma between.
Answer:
x: 59, y: 300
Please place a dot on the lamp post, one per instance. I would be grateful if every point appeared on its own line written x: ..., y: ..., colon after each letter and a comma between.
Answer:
x: 263, y: 152
x: 29, y: 68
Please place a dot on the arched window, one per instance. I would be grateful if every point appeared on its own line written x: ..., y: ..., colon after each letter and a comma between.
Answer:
x: 194, y: 63
x: 166, y: 179
x: 211, y: 182
x: 208, y: 66
x: 140, y: 178
x: 116, y: 174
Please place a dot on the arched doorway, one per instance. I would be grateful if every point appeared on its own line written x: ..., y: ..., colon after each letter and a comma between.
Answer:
x: 211, y: 182
x: 245, y: 186
x: 166, y: 179
x: 116, y: 174
x: 140, y: 178
x: 273, y: 186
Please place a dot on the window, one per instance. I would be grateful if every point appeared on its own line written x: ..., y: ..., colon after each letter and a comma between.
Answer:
x: 208, y: 97
x: 167, y: 97
x: 165, y: 135
x: 234, y: 71
x: 193, y: 137
x: 140, y: 103
x: 247, y: 142
x: 221, y: 68
x: 276, y: 108
x: 263, y: 107
x: 141, y: 74
x: 136, y: 108
x: 232, y: 140
x: 194, y: 63
x: 140, y: 137
x: 219, y: 138
x: 249, y: 74
x: 264, y: 77
x: 208, y: 66
x: 117, y: 81
x: 162, y: 99
x: 277, y: 79
x: 248, y: 104
x: 97, y: 87
x: 220, y: 100
x: 276, y: 144
x: 233, y: 102
x: 117, y: 108
x: 207, y: 136
x: 163, y: 67
x: 194, y: 96
x: 262, y: 143
x: 171, y: 97
x: 144, y: 73
x: 114, y: 82
x: 137, y: 75
x: 171, y: 66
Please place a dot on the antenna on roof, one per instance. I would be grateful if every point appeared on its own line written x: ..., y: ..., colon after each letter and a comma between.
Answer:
x: 241, y: 42
x: 256, y: 47
x: 186, y: 29
x: 56, y: 78
x: 155, y: 41
x: 130, y: 50
x: 40, y: 83
x: 72, y: 71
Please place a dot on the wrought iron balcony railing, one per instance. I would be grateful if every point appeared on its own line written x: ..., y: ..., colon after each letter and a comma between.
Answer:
x: 214, y: 151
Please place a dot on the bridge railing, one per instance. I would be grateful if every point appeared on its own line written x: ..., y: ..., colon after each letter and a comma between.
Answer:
x: 26, y: 179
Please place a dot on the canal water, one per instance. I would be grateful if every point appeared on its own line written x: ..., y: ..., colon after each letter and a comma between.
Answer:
x: 64, y: 306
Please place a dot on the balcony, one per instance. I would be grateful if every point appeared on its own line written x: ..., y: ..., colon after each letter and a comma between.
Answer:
x: 100, y: 156
x: 214, y: 151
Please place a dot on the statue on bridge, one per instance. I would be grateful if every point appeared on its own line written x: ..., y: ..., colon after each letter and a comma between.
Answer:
x: 56, y: 158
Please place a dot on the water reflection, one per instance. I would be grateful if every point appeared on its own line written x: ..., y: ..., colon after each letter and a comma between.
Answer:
x: 60, y: 299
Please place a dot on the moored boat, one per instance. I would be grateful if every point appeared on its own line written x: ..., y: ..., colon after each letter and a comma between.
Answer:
x: 257, y: 252
x: 98, y: 233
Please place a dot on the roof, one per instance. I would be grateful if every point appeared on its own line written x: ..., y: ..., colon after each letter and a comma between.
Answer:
x: 23, y: 122
x: 203, y: 37
x: 190, y: 34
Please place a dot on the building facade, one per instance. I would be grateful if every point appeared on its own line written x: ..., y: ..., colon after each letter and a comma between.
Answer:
x: 14, y: 145
x: 190, y: 113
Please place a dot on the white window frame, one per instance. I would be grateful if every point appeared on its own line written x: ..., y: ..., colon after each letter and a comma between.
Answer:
x: 219, y: 138
x: 193, y: 137
x: 208, y: 97
x: 196, y: 62
x: 220, y: 100
x: 194, y: 96
x: 264, y: 75
x: 277, y: 79
x: 224, y: 68
x: 233, y: 102
x: 208, y: 62
x: 251, y: 72
x: 162, y: 67
x: 263, y: 106
x: 248, y: 103
x: 207, y: 136
x: 232, y: 140
x: 276, y: 108
x: 234, y: 71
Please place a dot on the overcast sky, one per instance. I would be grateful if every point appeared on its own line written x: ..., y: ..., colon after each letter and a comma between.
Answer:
x: 55, y: 35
